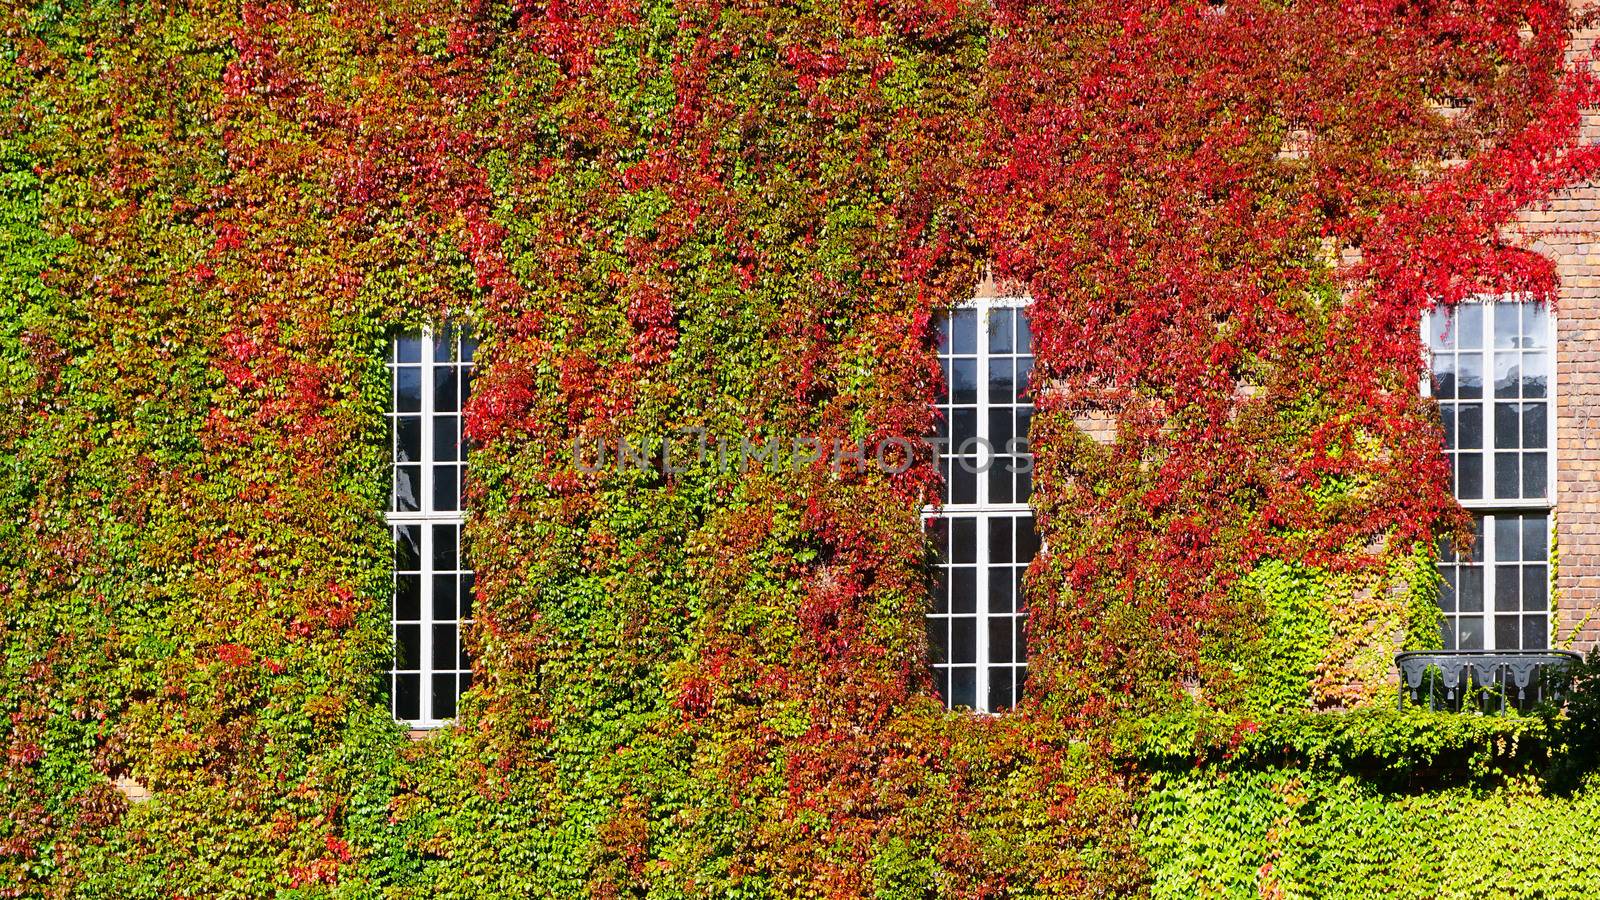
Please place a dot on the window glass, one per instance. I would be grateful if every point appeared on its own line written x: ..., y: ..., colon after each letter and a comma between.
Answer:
x: 1496, y: 434
x: 984, y: 531
x: 1497, y: 597
x: 431, y: 600
x: 1491, y: 377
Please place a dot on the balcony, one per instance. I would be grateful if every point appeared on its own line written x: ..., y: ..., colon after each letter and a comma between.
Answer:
x: 1484, y: 681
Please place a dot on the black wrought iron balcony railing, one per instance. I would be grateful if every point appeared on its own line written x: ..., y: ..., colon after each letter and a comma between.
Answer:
x: 1483, y: 680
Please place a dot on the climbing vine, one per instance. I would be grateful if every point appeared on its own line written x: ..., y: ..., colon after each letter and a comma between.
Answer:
x: 701, y: 221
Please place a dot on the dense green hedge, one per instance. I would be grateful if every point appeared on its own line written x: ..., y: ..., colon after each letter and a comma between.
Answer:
x: 1313, y: 833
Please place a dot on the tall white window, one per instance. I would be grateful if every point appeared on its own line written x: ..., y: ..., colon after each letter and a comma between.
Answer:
x: 430, y: 378
x: 984, y: 530
x: 1493, y: 366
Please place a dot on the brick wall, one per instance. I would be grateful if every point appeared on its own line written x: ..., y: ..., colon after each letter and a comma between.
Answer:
x: 1567, y: 231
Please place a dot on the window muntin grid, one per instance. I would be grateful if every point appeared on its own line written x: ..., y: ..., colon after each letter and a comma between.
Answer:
x: 1496, y: 597
x: 984, y: 531
x: 1493, y: 377
x: 430, y: 376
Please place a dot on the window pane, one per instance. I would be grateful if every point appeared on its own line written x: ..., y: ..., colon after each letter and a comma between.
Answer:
x: 963, y: 640
x: 938, y: 640
x: 445, y: 386
x: 407, y: 646
x: 445, y: 446
x: 1000, y: 639
x: 1507, y: 537
x: 1441, y: 330
x: 1002, y: 428
x: 963, y: 483
x: 1535, y: 475
x: 444, y: 548
x: 963, y: 589
x: 1000, y: 599
x: 1002, y: 482
x: 1507, y: 426
x: 1469, y: 376
x: 407, y: 548
x: 1535, y: 374
x: 407, y: 389
x: 444, y: 696
x: 964, y: 432
x: 1000, y: 688
x: 408, y: 348
x: 963, y: 540
x: 444, y: 345
x: 1002, y: 386
x: 964, y: 381
x: 1535, y: 537
x: 408, y: 438
x: 1507, y: 325
x: 407, y: 696
x: 1000, y: 330
x: 1469, y: 593
x: 1535, y: 587
x: 1027, y: 540
x: 1000, y: 542
x: 1535, y: 633
x: 446, y: 488
x: 1507, y: 581
x: 1469, y: 326
x: 1469, y: 427
x: 1533, y: 425
x: 1508, y: 475
x: 964, y: 331
x: 444, y: 598
x: 964, y: 687
x: 407, y: 598
x: 1535, y: 325
x: 405, y: 495
x: 1444, y: 376
x: 1507, y: 375
x: 1507, y: 632
x: 444, y: 647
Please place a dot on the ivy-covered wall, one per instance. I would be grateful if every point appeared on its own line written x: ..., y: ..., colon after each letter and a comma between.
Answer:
x: 675, y: 218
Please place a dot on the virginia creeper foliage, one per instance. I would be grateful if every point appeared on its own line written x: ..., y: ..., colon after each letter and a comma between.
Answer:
x: 740, y: 217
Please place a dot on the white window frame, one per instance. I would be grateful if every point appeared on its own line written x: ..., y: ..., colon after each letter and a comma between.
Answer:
x: 983, y: 511
x: 424, y: 518
x: 1488, y: 507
